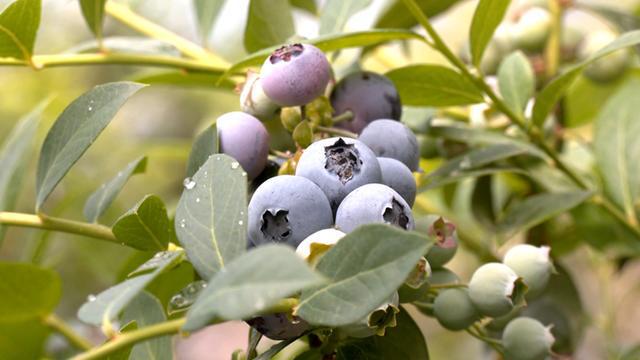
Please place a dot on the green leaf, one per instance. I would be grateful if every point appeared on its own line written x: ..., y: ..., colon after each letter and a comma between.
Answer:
x: 332, y: 43
x: 23, y: 340
x: 19, y: 24
x: 548, y: 97
x: 205, y: 145
x: 93, y: 12
x: 14, y: 157
x: 516, y: 81
x: 182, y: 78
x: 146, y: 226
x: 488, y: 15
x: 398, y: 17
x: 106, y: 307
x: 123, y: 353
x: 211, y: 218
x: 102, y: 198
x: 307, y: 5
x: 616, y: 147
x: 146, y: 310
x: 27, y: 292
x: 538, y: 208
x: 336, y: 13
x: 75, y: 130
x: 365, y: 268
x: 433, y: 85
x: 126, y: 44
x: 250, y: 284
x: 405, y: 341
x: 456, y: 176
x: 270, y: 23
x: 206, y: 14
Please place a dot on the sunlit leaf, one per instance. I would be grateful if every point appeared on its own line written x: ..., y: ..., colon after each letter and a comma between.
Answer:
x: 146, y: 226
x: 336, y: 13
x: 488, y: 15
x: 93, y: 12
x: 516, y: 81
x: 28, y: 292
x: 19, y: 24
x: 269, y: 23
x: 205, y: 145
x: 206, y: 13
x: 398, y: 17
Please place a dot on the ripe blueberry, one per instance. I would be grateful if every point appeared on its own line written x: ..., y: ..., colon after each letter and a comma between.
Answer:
x: 532, y: 264
x: 279, y: 326
x: 244, y: 138
x: 338, y: 166
x: 495, y: 289
x: 295, y: 74
x: 526, y: 339
x: 393, y: 139
x: 454, y: 309
x: 369, y: 96
x: 373, y: 203
x: 287, y: 209
x: 398, y: 177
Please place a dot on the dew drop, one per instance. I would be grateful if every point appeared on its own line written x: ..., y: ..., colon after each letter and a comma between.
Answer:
x: 465, y: 163
x: 240, y: 222
x: 183, y: 223
x: 90, y: 108
x: 91, y: 298
x: 197, y: 200
x: 235, y: 165
x: 189, y: 183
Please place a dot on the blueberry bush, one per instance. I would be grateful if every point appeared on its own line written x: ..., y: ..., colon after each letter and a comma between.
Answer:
x: 361, y: 182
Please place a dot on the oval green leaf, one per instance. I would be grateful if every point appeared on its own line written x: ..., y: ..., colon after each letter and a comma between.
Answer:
x: 433, y: 85
x: 269, y: 23
x: 75, y: 130
x: 93, y: 12
x: 146, y: 226
x: 28, y: 292
x: 250, y: 284
x: 336, y: 13
x: 516, y: 81
x: 206, y: 14
x: 365, y: 268
x: 211, y: 218
x: 488, y: 15
x: 146, y: 310
x: 102, y: 198
x: 205, y: 145
x: 19, y: 24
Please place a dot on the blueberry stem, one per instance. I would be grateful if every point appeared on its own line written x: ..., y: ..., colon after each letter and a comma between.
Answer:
x: 345, y: 116
x: 336, y: 131
x: 58, y: 325
x: 533, y: 132
x: 447, y: 286
x: 45, y: 222
x: 476, y: 333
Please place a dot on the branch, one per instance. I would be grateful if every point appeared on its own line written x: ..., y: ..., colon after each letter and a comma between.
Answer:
x: 123, y: 14
x: 58, y: 325
x: 44, y: 222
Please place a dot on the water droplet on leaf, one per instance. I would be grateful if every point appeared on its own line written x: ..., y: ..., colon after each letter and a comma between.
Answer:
x: 235, y: 164
x: 91, y: 298
x: 189, y: 183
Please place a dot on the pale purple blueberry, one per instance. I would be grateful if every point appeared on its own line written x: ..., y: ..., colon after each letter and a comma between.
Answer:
x: 339, y: 166
x: 287, y: 209
x: 244, y: 138
x: 295, y: 74
x: 397, y: 176
x: 371, y: 204
x: 369, y: 96
x: 389, y: 138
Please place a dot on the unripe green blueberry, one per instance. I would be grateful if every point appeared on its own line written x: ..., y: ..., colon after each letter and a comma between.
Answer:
x: 437, y: 277
x: 318, y: 243
x: 495, y: 289
x: 290, y: 117
x: 254, y: 101
x: 526, y: 339
x: 532, y: 264
x: 446, y: 241
x: 532, y: 29
x: 454, y: 310
x: 607, y: 68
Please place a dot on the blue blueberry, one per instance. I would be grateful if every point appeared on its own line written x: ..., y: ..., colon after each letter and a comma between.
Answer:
x: 279, y: 326
x: 398, y: 177
x: 389, y: 138
x: 374, y: 203
x: 339, y: 166
x: 369, y: 96
x: 244, y: 138
x: 287, y: 209
x: 293, y: 75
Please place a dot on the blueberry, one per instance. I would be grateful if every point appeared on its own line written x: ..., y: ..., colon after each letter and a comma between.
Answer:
x: 339, y: 166
x: 254, y: 101
x: 373, y: 203
x: 495, y: 289
x: 279, y: 326
x: 244, y: 138
x: 293, y: 75
x: 532, y: 264
x: 607, y: 68
x: 532, y: 29
x: 526, y: 339
x: 315, y: 245
x: 287, y: 209
x: 398, y: 177
x: 369, y: 96
x: 389, y: 138
x: 454, y: 310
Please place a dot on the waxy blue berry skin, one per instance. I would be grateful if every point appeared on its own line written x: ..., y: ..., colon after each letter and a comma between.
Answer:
x: 397, y: 176
x: 369, y: 96
x: 295, y: 74
x: 244, y: 138
x: 371, y: 204
x: 392, y: 139
x: 287, y: 209
x: 338, y: 166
